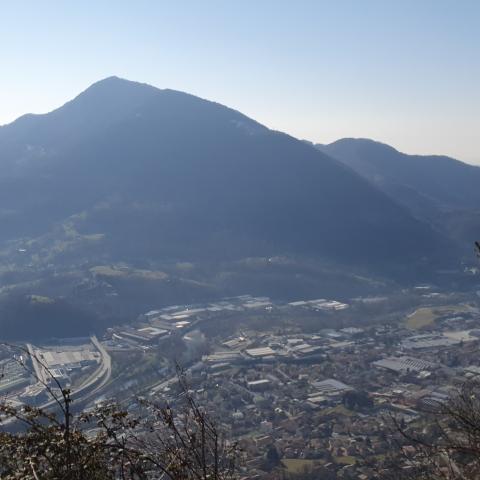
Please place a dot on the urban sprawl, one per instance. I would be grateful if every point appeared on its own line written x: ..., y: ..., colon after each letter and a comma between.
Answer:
x: 308, y: 385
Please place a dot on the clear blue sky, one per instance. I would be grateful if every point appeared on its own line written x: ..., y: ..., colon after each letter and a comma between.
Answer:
x: 405, y: 72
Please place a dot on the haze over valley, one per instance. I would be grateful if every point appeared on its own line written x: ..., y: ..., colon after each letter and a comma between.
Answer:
x: 164, y: 197
x: 268, y: 270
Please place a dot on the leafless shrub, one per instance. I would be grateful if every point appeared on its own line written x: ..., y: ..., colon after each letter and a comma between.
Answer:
x: 110, y: 443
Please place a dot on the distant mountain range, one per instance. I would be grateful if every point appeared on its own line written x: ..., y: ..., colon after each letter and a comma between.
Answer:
x: 166, y: 174
x: 129, y: 197
x: 436, y: 189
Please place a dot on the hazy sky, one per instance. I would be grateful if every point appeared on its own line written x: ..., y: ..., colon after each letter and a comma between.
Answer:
x: 403, y: 72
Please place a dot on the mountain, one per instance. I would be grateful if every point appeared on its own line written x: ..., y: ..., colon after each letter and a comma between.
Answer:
x: 131, y: 197
x: 165, y: 173
x: 437, y: 189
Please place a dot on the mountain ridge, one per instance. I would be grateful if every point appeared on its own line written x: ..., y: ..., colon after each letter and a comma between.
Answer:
x: 198, y: 197
x: 194, y: 159
x: 436, y: 188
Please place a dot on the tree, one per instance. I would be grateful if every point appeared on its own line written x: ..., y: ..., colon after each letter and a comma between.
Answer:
x: 445, y: 445
x: 272, y: 458
x: 109, y: 443
x: 357, y: 400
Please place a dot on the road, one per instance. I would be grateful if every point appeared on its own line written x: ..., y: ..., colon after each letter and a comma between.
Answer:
x: 37, y: 368
x: 170, y: 381
x: 166, y: 383
x: 101, y: 375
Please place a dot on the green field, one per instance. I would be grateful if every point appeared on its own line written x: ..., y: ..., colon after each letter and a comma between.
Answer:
x: 41, y: 299
x: 114, y: 271
x: 426, y: 316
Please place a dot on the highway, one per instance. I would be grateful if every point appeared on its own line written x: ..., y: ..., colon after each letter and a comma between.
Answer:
x: 88, y: 388
x: 37, y: 368
x: 101, y: 375
x: 103, y: 372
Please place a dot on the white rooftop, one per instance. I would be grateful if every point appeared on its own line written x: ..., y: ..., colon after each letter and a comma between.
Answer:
x: 331, y: 386
x: 260, y: 352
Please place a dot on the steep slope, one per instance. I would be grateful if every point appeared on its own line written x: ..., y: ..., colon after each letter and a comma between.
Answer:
x: 163, y: 174
x: 438, y: 189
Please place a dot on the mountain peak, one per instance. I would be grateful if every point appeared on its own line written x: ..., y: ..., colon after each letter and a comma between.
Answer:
x: 358, y: 143
x: 180, y: 158
x: 114, y: 87
x: 117, y: 82
x: 113, y: 78
x: 437, y: 180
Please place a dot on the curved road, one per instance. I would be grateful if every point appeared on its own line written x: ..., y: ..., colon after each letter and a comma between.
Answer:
x: 102, y: 375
